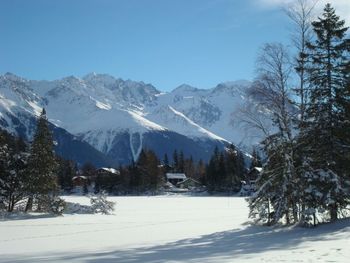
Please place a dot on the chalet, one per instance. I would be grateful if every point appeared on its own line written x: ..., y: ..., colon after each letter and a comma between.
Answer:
x: 79, y: 180
x: 92, y: 176
x: 189, y: 183
x: 175, y: 178
x: 107, y: 171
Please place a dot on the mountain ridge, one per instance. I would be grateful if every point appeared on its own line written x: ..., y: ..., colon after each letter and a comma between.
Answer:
x: 99, y: 108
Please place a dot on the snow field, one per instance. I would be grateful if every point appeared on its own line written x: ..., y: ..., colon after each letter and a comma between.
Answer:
x: 168, y: 229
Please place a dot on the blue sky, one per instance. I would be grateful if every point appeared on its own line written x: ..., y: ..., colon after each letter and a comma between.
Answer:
x: 163, y: 42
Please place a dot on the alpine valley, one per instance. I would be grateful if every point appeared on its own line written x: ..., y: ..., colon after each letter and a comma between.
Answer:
x: 108, y: 121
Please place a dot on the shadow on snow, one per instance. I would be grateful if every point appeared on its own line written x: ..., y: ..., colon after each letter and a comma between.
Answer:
x: 225, y: 245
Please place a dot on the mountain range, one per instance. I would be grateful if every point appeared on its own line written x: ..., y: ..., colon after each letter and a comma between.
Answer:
x: 107, y: 120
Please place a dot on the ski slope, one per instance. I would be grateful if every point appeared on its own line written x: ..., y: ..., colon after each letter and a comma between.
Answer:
x: 168, y: 229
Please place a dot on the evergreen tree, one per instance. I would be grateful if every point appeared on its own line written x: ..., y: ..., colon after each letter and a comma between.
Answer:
x: 274, y: 200
x: 234, y: 168
x: 41, y: 179
x: 216, y: 172
x: 125, y: 180
x: 189, y: 168
x: 222, y: 183
x: 135, y: 178
x: 326, y: 181
x: 201, y: 172
x: 141, y: 165
x: 148, y: 167
x: 97, y: 185
x: 175, y: 161
x: 343, y: 100
x: 166, y: 163
x: 181, y: 166
x: 256, y: 159
x: 89, y: 171
x: 153, y: 171
x: 13, y: 160
x: 240, y: 166
x: 66, y: 171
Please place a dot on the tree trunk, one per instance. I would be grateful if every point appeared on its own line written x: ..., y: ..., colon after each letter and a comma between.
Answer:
x: 333, y: 212
x: 29, y: 205
x: 11, y: 204
x: 314, y: 216
x: 302, y: 214
x: 295, y: 213
x: 268, y: 213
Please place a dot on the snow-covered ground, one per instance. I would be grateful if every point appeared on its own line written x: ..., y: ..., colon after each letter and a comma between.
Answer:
x: 168, y: 229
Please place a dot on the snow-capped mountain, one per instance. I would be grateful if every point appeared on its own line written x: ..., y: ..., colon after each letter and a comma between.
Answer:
x: 214, y: 110
x: 119, y: 117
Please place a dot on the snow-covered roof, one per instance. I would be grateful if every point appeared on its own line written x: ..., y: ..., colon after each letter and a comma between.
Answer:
x: 259, y: 169
x: 79, y: 176
x: 175, y: 176
x: 111, y: 170
x: 189, y: 180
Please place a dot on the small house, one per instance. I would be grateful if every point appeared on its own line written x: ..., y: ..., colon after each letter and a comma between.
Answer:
x: 189, y: 183
x: 79, y: 180
x: 107, y: 171
x: 175, y: 178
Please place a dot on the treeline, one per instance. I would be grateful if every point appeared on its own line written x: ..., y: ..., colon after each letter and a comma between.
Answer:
x: 223, y: 173
x: 32, y: 176
x: 306, y: 178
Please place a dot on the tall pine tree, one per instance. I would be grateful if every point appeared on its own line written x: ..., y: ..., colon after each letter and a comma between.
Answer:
x: 41, y: 181
x: 327, y: 123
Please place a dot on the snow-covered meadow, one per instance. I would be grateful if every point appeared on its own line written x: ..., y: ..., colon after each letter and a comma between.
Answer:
x: 168, y: 229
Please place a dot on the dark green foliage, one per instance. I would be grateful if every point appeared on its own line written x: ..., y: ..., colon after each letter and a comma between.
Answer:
x: 225, y: 171
x: 326, y: 134
x: 235, y: 168
x: 215, y: 172
x: 137, y: 178
x: 16, y: 182
x: 181, y: 165
x: 307, y: 176
x: 89, y: 172
x: 148, y: 166
x: 256, y: 159
x: 175, y: 161
x: 65, y: 173
x: 166, y: 163
x: 200, y: 174
x: 109, y: 182
x: 275, y: 198
x: 13, y: 163
x: 189, y: 167
x: 148, y: 175
x: 41, y: 176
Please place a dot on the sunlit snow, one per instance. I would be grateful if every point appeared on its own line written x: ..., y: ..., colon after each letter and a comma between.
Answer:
x: 168, y: 229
